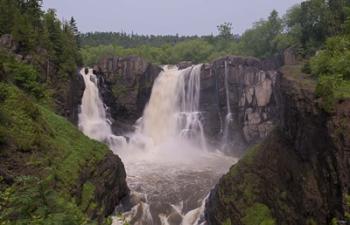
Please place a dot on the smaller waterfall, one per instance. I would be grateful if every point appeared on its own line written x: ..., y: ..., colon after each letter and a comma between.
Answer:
x: 93, y: 121
x: 189, y: 116
x: 229, y: 117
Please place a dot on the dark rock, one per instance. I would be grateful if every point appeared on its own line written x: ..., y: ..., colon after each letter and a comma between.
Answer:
x: 125, y: 86
x: 290, y: 57
x: 68, y: 102
x: 300, y: 174
x: 184, y: 65
x: 252, y: 98
x: 7, y: 42
x: 109, y: 179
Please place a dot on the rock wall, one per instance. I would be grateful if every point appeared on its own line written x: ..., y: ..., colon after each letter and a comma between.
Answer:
x: 298, y: 175
x: 252, y: 96
x: 109, y: 178
x: 126, y: 85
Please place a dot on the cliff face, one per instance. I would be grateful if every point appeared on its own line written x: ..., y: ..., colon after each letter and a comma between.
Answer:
x: 245, y: 87
x: 126, y: 85
x: 298, y: 175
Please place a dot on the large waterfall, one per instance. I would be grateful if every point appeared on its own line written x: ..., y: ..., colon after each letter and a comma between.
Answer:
x: 169, y: 164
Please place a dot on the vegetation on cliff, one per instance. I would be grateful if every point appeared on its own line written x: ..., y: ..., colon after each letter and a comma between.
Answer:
x: 40, y: 39
x: 42, y: 156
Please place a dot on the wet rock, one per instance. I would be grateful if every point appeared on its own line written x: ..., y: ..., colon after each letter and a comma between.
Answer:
x: 126, y: 85
x: 252, y: 93
x: 184, y: 65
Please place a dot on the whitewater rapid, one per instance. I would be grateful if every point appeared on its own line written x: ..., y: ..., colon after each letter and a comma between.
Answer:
x: 170, y: 167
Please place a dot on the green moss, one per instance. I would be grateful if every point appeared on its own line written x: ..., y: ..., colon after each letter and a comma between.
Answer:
x: 227, y: 222
x: 32, y: 201
x: 87, y: 195
x: 311, y: 221
x: 258, y: 214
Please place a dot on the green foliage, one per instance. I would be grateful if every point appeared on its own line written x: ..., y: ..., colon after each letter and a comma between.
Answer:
x: 225, y: 30
x: 57, y: 151
x: 227, y: 222
x: 265, y: 38
x: 258, y: 214
x: 87, y: 195
x: 51, y: 46
x: 25, y: 77
x: 310, y: 221
x: 326, y: 89
x: 130, y: 41
x: 331, y: 68
x: 32, y: 201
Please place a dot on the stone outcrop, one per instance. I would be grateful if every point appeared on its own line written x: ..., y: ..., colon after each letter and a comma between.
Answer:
x: 126, y: 85
x: 109, y: 180
x: 250, y: 93
x: 298, y: 175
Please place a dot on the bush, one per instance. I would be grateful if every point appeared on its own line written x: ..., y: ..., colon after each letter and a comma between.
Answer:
x: 25, y: 77
x: 326, y: 89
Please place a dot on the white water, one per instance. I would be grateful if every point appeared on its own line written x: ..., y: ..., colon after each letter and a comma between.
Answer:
x: 229, y: 117
x: 170, y: 168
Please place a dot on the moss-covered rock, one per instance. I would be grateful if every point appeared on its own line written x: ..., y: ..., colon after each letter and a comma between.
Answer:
x: 299, y: 175
x: 49, y: 170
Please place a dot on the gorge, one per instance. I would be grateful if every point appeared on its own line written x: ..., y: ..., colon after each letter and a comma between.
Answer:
x: 168, y: 156
x: 108, y: 128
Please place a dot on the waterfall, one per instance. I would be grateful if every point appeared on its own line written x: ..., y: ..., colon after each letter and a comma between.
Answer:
x: 173, y: 109
x: 229, y: 117
x: 170, y: 169
x: 93, y: 121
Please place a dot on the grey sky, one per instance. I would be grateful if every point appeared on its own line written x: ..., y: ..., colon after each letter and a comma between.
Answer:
x: 184, y: 17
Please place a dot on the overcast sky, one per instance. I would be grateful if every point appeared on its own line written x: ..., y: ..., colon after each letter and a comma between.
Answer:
x: 185, y: 17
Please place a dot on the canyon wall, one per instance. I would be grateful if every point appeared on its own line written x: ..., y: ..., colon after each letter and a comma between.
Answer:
x: 125, y: 84
x: 250, y: 92
x: 298, y: 175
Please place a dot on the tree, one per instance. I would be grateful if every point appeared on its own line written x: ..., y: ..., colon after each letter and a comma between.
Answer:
x: 225, y: 30
x: 262, y: 39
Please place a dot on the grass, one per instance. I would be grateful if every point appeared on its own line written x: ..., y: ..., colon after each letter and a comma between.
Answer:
x: 49, y: 154
x: 258, y: 214
x: 343, y: 90
x: 295, y: 73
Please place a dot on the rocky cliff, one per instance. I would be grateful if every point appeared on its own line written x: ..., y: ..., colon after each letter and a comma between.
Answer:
x: 126, y: 85
x: 298, y: 175
x: 247, y: 89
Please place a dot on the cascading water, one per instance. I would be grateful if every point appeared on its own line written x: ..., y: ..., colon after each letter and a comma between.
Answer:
x: 169, y: 166
x: 92, y: 118
x: 229, y: 116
